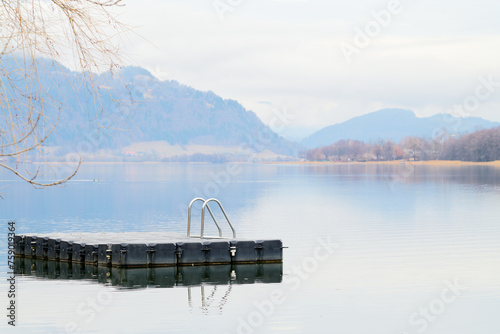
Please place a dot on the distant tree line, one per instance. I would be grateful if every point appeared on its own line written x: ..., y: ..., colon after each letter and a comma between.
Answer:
x: 480, y: 146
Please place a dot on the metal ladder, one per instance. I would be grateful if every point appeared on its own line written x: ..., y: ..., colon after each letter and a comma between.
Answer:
x: 205, y: 205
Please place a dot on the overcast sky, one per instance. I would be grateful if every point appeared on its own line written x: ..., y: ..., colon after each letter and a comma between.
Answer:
x: 308, y: 58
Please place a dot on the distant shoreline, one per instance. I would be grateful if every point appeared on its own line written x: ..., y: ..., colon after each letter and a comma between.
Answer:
x: 444, y: 163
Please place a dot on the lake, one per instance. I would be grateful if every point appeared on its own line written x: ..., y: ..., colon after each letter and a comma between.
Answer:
x: 371, y: 249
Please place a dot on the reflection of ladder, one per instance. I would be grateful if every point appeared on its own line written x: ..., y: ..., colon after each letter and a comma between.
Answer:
x: 207, y: 301
x: 205, y: 205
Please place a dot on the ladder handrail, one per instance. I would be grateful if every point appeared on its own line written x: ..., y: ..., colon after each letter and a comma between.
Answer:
x: 211, y: 214
x: 203, y: 216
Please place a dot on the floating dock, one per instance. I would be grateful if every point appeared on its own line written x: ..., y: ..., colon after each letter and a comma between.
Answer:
x: 140, y: 249
x: 129, y: 250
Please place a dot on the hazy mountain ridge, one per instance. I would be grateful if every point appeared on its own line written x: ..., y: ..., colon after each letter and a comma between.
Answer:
x: 134, y: 106
x: 395, y: 124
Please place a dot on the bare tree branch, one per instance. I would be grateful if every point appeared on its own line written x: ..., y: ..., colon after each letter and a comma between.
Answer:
x: 86, y: 30
x: 43, y: 185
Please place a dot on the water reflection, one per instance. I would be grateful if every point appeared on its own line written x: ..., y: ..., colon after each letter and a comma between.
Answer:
x: 164, y: 277
x: 211, y: 298
x: 410, y: 173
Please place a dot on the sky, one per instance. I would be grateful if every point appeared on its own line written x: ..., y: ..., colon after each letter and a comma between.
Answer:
x: 323, y: 62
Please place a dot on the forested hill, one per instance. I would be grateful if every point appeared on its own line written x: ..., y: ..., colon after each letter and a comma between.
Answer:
x: 134, y: 106
x: 167, y: 110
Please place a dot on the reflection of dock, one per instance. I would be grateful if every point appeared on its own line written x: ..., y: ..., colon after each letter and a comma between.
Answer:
x: 164, y: 277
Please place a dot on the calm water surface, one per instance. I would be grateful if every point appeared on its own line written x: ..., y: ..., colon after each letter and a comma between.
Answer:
x: 409, y: 249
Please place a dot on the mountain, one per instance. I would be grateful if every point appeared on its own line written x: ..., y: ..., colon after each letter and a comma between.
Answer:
x: 133, y: 107
x: 395, y: 124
